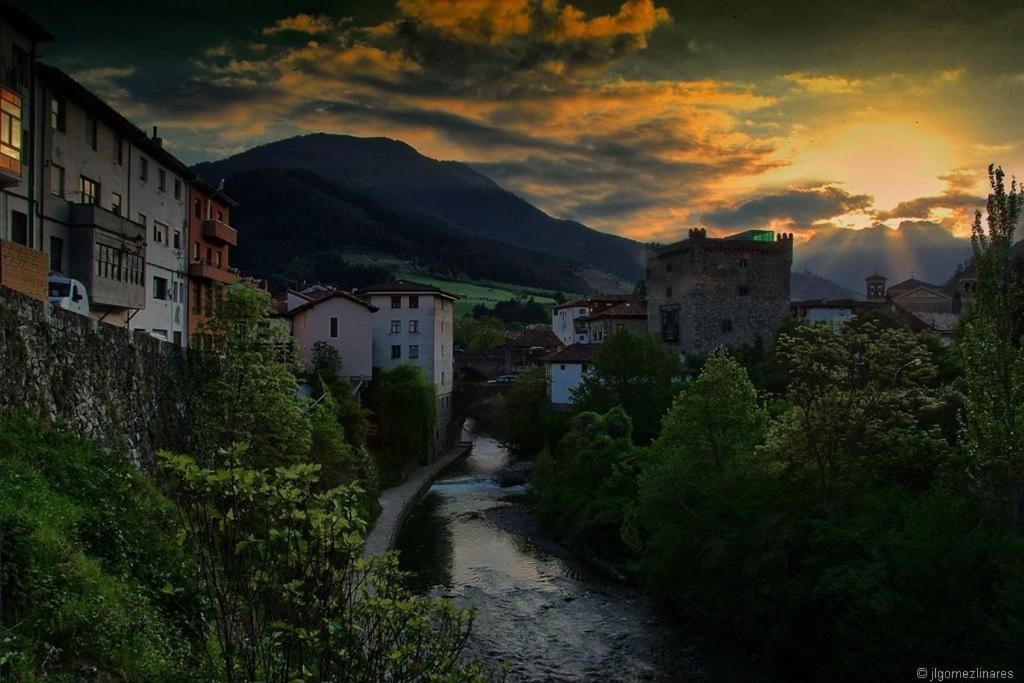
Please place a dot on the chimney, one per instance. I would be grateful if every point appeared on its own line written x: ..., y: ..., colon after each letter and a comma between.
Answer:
x: 156, y: 138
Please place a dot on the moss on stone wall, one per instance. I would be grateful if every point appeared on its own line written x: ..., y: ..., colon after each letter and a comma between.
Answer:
x: 124, y: 390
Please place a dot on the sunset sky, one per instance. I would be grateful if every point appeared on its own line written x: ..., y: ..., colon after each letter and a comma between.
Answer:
x: 640, y: 118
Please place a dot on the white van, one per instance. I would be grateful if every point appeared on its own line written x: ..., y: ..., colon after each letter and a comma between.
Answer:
x: 68, y: 294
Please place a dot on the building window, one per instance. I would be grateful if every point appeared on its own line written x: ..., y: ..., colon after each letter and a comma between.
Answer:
x: 727, y: 325
x: 89, y: 189
x: 177, y: 338
x: 177, y: 239
x: 414, y: 327
x: 177, y: 188
x: 414, y: 302
x: 58, y: 114
x: 668, y: 292
x: 57, y: 180
x: 94, y: 133
x: 143, y: 169
x: 743, y: 263
x: 117, y: 264
x: 670, y: 323
x: 161, y: 179
x: 19, y: 227
x: 56, y: 255
x: 197, y: 299
x: 743, y: 290
x: 218, y: 254
x: 142, y: 219
x: 159, y: 230
x: 10, y: 130
x: 396, y: 352
x: 160, y: 288
x: 115, y: 203
x: 414, y: 351
x: 561, y: 367
x: 396, y: 302
x: 334, y: 328
x: 195, y: 251
x: 396, y: 327
x: 197, y: 208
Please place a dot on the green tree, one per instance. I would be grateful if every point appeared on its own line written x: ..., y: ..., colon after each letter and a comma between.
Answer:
x: 526, y: 420
x: 243, y: 372
x: 287, y: 597
x: 993, y: 352
x: 473, y: 334
x: 353, y: 417
x: 585, y: 484
x: 405, y: 401
x: 637, y: 373
x: 855, y: 395
x: 715, y: 418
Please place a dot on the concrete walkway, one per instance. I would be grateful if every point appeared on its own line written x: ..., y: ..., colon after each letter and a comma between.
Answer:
x: 396, y: 501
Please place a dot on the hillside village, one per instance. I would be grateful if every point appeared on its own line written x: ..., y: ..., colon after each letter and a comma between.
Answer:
x: 109, y: 223
x: 355, y: 416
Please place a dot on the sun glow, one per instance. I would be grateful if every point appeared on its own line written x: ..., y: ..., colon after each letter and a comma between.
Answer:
x: 890, y: 160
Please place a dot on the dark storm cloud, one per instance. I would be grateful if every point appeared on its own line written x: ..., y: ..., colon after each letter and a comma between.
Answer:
x: 467, y: 130
x: 801, y: 208
x: 922, y: 207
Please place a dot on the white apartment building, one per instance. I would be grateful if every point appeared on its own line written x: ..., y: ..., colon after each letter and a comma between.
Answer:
x: 114, y: 210
x: 563, y: 321
x: 414, y: 325
x: 159, y: 186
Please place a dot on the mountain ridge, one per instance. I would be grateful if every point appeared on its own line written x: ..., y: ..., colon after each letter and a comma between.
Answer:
x: 450, y: 190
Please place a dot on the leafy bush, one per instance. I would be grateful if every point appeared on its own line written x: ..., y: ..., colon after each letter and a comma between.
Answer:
x: 87, y: 548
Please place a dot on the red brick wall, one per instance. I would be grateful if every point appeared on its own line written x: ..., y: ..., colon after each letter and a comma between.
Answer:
x: 23, y: 269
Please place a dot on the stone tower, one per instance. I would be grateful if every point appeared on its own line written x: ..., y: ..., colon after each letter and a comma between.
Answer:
x: 705, y: 292
x: 875, y: 287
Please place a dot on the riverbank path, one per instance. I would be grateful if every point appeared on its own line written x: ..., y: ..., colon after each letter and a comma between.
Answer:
x: 396, y: 501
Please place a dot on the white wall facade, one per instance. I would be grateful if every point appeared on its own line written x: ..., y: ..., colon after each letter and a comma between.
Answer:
x: 564, y: 378
x: 563, y: 323
x: 164, y: 212
x: 353, y: 340
x: 69, y: 157
x: 422, y: 335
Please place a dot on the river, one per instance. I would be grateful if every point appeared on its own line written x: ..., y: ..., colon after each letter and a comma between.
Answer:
x: 540, y: 611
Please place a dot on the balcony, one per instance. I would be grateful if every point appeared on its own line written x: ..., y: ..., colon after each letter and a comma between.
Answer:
x: 10, y: 157
x: 108, y: 254
x: 98, y: 218
x: 220, y: 232
x: 199, y: 270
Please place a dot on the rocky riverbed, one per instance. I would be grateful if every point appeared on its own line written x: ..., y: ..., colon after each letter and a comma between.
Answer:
x: 541, y: 611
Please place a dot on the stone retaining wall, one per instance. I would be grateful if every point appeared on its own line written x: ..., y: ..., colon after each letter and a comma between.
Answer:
x: 126, y: 391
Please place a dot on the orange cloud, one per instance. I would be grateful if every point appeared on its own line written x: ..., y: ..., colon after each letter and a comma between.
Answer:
x: 301, y: 23
x: 824, y: 84
x: 479, y: 21
x: 635, y: 17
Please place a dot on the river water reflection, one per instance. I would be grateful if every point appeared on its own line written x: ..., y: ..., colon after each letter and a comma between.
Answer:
x: 540, y: 611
